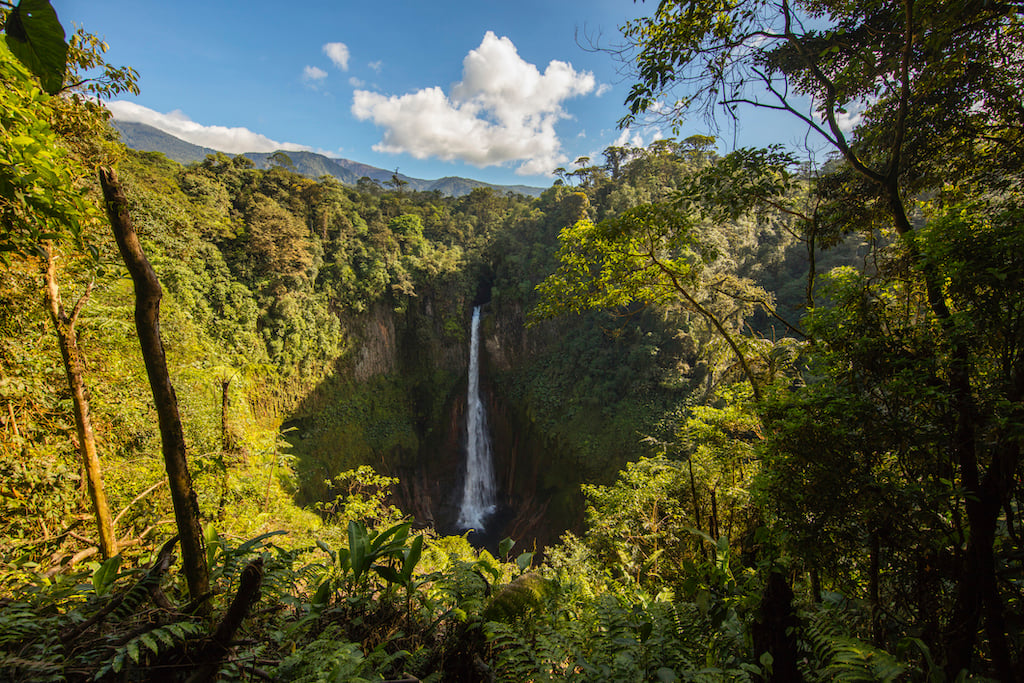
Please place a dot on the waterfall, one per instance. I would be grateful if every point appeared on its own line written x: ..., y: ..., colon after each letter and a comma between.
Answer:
x: 478, y: 491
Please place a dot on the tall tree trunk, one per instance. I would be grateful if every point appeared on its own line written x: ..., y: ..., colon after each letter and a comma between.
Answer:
x: 147, y: 322
x: 815, y: 585
x: 874, y: 571
x: 226, y: 446
x: 225, y: 436
x: 775, y: 631
x: 696, y: 505
x: 977, y: 592
x: 812, y: 266
x: 67, y: 339
x: 713, y: 525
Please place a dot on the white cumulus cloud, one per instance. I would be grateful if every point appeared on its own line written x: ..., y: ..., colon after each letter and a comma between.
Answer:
x: 338, y: 53
x: 503, y: 110
x: 232, y: 140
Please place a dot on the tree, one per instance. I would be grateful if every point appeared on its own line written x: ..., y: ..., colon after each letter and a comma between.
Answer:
x: 397, y: 183
x: 45, y: 166
x: 936, y: 88
x: 281, y: 160
x: 147, y: 322
x: 651, y: 254
x: 39, y: 199
x: 67, y: 338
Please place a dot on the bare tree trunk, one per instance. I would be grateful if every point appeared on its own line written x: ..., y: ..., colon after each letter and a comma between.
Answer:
x: 67, y: 339
x: 211, y: 656
x: 225, y: 437
x: 815, y: 585
x: 811, y: 265
x: 147, y: 322
x: 696, y: 505
x: 713, y: 525
x: 874, y: 572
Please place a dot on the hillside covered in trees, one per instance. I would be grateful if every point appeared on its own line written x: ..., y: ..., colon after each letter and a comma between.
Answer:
x: 753, y: 418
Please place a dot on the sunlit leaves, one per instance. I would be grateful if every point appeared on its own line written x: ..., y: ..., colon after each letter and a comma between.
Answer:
x: 745, y: 180
x: 644, y: 255
x: 40, y: 197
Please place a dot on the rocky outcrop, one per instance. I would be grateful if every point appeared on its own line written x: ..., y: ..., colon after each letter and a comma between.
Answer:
x: 377, y: 350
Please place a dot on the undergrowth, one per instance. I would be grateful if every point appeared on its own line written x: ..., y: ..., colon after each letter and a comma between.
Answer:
x: 394, y: 604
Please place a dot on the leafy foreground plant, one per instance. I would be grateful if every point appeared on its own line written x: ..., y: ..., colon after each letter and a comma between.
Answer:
x: 396, y: 605
x: 73, y: 628
x: 277, y: 616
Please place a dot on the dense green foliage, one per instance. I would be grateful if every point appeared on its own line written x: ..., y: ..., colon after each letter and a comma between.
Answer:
x: 777, y: 407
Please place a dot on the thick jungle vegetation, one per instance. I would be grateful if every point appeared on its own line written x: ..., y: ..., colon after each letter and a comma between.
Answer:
x: 775, y: 408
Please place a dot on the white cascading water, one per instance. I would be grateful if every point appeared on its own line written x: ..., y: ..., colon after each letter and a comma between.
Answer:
x: 478, y: 491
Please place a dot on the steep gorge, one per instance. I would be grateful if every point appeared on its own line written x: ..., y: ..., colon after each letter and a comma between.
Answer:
x: 398, y: 403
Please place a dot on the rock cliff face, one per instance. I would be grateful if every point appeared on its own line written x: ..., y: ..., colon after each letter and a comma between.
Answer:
x: 377, y: 353
x: 424, y: 336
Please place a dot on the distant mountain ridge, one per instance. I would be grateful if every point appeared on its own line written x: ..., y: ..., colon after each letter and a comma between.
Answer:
x: 145, y: 138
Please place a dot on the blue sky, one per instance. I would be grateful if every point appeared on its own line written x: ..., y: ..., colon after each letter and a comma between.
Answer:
x: 501, y: 92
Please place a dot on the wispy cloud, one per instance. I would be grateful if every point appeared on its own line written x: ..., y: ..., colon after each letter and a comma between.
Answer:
x: 503, y: 110
x: 603, y: 89
x: 311, y: 74
x: 848, y: 118
x: 376, y: 66
x: 631, y: 138
x: 226, y: 139
x: 338, y: 53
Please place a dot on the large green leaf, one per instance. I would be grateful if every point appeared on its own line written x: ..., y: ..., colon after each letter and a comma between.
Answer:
x: 411, y: 559
x: 398, y: 535
x: 358, y: 548
x: 36, y: 38
x: 105, y: 575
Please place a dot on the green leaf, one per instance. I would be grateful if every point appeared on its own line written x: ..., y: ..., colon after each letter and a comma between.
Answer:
x: 213, y: 542
x: 399, y: 532
x: 388, y: 573
x: 322, y: 595
x: 524, y: 561
x: 327, y: 549
x: 342, y: 562
x: 412, y: 558
x: 105, y: 575
x: 505, y: 547
x: 252, y: 543
x: 35, y: 36
x: 357, y: 545
x: 164, y: 635
x: 666, y: 675
x: 150, y: 642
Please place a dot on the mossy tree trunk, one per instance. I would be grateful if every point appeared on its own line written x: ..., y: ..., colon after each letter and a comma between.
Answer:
x: 74, y: 368
x: 147, y: 322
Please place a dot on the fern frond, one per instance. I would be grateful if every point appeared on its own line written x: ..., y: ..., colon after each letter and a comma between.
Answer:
x: 854, y: 661
x: 150, y: 644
